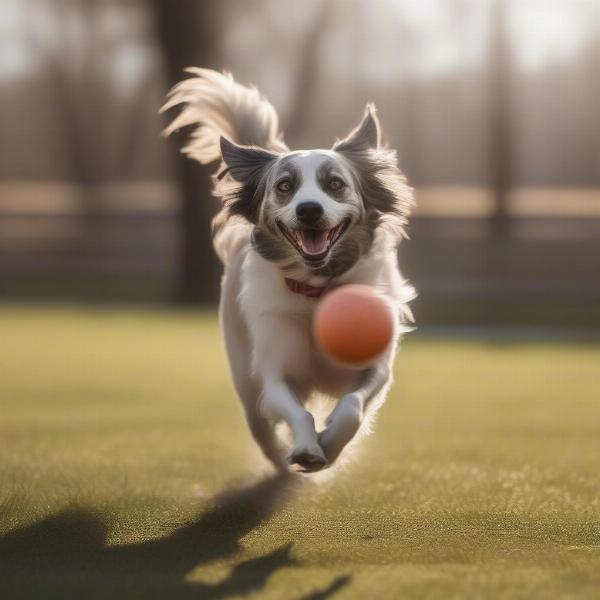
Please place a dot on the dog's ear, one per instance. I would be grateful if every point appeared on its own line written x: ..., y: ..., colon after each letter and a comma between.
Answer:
x: 243, y: 190
x: 367, y: 135
x: 382, y: 184
x: 244, y: 162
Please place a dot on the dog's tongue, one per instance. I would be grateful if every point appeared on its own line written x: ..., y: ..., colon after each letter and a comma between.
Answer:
x: 314, y: 241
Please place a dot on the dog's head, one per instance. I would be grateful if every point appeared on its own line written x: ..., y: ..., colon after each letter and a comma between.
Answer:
x: 317, y: 211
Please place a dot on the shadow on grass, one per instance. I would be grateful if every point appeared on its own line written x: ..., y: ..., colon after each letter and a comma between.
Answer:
x: 66, y: 555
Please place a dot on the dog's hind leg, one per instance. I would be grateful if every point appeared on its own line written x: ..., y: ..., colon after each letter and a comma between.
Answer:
x: 346, y: 418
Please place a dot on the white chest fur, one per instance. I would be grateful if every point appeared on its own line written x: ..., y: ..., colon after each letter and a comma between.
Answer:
x: 279, y: 321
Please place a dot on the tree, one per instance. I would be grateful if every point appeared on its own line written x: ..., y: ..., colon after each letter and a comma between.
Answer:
x: 308, y: 70
x: 501, y: 122
x: 188, y: 30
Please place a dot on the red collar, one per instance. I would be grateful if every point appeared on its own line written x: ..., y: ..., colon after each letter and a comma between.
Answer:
x: 299, y: 287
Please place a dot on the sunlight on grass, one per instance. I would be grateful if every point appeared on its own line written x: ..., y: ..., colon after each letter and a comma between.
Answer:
x: 119, y: 426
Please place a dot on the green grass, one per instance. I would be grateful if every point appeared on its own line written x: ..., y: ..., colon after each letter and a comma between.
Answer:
x: 126, y: 471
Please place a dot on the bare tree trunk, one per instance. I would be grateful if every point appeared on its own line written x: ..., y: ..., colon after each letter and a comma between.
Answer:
x: 78, y: 90
x: 308, y: 71
x: 500, y: 110
x: 188, y: 32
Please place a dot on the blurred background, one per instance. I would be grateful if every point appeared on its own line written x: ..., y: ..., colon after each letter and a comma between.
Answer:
x: 121, y: 441
x: 492, y: 105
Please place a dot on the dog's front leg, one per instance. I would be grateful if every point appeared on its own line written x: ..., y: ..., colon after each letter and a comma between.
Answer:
x: 346, y: 417
x: 280, y: 404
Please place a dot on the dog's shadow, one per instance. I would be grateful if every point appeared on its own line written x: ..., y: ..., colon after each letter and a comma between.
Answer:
x: 67, y: 556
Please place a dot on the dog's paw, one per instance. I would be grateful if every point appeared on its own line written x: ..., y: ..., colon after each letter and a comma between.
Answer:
x: 307, y: 460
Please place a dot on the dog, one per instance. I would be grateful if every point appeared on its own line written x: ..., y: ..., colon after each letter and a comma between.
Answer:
x: 294, y: 224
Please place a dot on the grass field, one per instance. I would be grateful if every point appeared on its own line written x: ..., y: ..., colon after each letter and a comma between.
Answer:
x: 126, y: 472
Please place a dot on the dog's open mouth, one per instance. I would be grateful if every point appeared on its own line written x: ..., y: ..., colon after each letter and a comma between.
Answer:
x: 314, y: 244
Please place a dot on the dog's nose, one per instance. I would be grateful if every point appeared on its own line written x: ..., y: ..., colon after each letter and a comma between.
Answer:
x: 308, y: 213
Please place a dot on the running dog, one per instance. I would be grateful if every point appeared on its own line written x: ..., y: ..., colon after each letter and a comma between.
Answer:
x: 294, y: 224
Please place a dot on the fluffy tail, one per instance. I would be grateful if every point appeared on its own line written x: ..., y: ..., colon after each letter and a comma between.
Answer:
x: 221, y: 107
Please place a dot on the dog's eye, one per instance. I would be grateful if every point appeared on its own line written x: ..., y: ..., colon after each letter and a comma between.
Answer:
x: 336, y: 184
x: 284, y: 186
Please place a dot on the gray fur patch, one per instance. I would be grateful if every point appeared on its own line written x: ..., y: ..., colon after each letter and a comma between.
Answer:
x: 269, y: 245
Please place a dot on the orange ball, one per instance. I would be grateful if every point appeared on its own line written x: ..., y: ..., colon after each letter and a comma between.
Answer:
x: 353, y: 325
